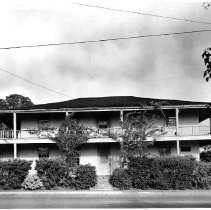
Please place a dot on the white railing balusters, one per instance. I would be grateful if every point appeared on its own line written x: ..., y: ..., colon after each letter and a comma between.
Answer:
x: 184, y: 130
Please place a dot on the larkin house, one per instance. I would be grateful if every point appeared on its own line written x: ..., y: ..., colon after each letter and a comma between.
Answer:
x: 186, y: 124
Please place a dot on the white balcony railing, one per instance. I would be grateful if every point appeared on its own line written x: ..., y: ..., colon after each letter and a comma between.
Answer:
x: 193, y: 130
x: 186, y: 130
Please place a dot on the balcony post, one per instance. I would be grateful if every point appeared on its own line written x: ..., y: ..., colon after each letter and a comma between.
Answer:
x: 178, y: 148
x: 14, y: 125
x: 15, y: 150
x: 66, y: 114
x: 177, y: 121
x: 209, y: 117
x: 121, y: 116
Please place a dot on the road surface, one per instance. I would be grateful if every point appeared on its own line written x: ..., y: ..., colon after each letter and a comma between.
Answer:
x: 183, y: 199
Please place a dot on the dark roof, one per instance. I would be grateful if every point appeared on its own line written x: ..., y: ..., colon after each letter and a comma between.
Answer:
x: 112, y: 101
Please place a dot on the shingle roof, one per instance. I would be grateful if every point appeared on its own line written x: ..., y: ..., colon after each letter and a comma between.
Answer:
x: 111, y: 101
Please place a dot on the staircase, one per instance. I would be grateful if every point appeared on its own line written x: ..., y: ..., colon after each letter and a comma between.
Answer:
x: 103, y: 183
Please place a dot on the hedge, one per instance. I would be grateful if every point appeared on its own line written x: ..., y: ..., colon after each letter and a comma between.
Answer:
x: 120, y: 179
x: 51, y: 172
x: 166, y: 173
x: 85, y: 177
x: 56, y: 173
x: 202, y: 176
x: 13, y: 173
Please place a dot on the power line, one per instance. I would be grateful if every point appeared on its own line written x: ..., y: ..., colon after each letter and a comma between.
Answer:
x: 146, y: 14
x: 105, y: 40
x: 26, y: 80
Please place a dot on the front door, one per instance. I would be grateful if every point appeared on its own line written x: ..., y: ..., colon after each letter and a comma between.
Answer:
x: 103, y: 151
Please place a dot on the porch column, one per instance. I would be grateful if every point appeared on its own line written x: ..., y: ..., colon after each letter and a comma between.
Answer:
x: 177, y: 131
x: 15, y: 151
x: 209, y: 111
x: 210, y: 124
x: 178, y: 148
x: 121, y: 116
x: 66, y: 114
x: 177, y: 121
x: 15, y: 125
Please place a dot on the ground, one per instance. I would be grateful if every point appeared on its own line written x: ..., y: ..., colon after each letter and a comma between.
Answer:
x: 105, y: 199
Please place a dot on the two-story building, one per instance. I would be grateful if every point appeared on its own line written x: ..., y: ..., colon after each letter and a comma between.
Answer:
x: 187, y: 128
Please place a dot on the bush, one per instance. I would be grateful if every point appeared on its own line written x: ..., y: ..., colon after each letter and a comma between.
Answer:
x: 13, y: 173
x: 120, y: 179
x: 85, y: 177
x: 178, y: 172
x: 206, y: 155
x: 162, y: 173
x: 51, y: 172
x: 32, y: 182
x: 56, y: 173
x: 202, y: 176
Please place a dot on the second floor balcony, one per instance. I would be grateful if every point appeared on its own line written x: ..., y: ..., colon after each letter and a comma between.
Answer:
x: 185, y: 130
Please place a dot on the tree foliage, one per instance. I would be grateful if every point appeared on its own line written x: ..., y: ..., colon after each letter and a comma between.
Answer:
x: 69, y: 138
x: 205, y: 155
x: 207, y: 60
x: 15, y: 101
x: 137, y: 127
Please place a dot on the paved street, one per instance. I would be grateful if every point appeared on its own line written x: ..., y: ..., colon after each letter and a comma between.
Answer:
x: 183, y: 199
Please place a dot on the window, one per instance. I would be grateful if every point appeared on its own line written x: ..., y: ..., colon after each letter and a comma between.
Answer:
x: 171, y: 121
x: 43, y: 152
x: 103, y: 124
x: 185, y: 149
x: 165, y: 151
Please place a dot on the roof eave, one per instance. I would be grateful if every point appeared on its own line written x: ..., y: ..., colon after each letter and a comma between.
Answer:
x: 90, y: 109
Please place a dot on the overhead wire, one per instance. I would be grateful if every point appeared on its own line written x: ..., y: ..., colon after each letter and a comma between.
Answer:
x: 106, y: 39
x: 29, y: 81
x: 142, y: 13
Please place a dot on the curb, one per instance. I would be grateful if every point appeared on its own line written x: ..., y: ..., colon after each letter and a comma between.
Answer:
x: 61, y: 193
x: 102, y: 192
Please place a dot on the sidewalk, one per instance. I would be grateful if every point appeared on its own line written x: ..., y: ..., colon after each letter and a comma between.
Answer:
x: 108, y: 192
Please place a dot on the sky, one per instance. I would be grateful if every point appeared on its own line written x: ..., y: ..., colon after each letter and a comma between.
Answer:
x: 167, y: 67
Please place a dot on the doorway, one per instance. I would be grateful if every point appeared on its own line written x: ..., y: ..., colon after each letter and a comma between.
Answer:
x: 103, y: 151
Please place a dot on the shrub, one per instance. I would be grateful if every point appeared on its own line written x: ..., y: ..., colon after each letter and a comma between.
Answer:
x: 202, y: 176
x: 51, y: 172
x: 56, y: 173
x: 178, y: 172
x: 32, y: 182
x: 162, y: 173
x: 13, y: 173
x: 120, y: 179
x: 85, y: 177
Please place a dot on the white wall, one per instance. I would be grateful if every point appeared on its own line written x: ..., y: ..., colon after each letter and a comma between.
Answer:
x: 195, y: 152
x: 154, y: 151
x: 88, y: 154
x: 30, y: 151
x: 30, y: 121
x: 6, y: 152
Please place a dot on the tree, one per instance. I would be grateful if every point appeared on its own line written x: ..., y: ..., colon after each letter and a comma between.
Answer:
x: 69, y: 138
x: 3, y: 104
x: 137, y: 127
x: 207, y: 52
x: 206, y: 5
x: 12, y: 101
x: 17, y: 101
x: 207, y: 60
x: 205, y: 155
